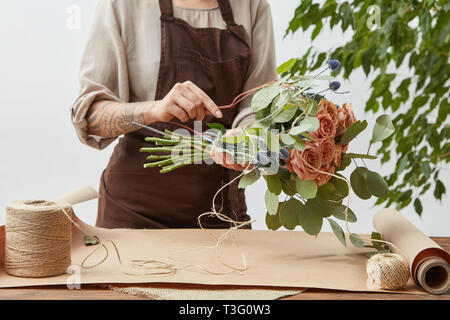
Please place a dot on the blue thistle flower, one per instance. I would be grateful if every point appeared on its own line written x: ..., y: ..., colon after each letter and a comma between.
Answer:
x: 284, y: 153
x: 335, y: 85
x: 334, y: 65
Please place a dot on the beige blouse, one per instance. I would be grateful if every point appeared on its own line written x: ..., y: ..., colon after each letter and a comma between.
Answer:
x: 122, y: 55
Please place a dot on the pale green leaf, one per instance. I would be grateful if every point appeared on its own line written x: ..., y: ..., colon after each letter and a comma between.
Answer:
x: 306, y: 188
x: 271, y: 200
x: 264, y: 97
x: 309, y: 124
x: 248, y: 179
x: 383, y: 128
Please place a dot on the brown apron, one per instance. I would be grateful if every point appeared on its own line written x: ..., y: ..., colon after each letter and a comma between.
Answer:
x: 217, y: 61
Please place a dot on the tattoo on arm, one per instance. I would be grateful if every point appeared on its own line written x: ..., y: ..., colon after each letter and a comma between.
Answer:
x: 111, y: 119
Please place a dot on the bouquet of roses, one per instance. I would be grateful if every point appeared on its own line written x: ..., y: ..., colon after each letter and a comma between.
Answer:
x: 298, y: 144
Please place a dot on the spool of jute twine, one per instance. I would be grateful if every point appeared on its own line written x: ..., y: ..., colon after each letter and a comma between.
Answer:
x: 38, y: 238
x: 387, y: 271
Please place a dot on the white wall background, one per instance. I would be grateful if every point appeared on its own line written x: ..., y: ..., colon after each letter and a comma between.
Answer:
x: 40, y: 155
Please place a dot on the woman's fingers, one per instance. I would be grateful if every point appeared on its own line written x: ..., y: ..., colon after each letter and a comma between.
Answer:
x: 224, y: 159
x: 197, y: 102
x: 208, y: 103
x: 177, y: 112
x: 186, y: 104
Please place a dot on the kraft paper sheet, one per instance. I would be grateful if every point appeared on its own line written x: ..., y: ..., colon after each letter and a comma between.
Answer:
x: 290, y: 259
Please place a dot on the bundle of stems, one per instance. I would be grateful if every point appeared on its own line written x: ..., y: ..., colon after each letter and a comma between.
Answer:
x: 174, y: 151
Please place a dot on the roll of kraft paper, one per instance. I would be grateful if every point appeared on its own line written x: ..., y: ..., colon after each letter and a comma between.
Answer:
x: 429, y: 263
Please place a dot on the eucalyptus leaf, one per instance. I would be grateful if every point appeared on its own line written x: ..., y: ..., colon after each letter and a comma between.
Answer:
x: 376, y: 185
x: 273, y: 221
x: 248, y: 179
x: 320, y: 207
x: 309, y: 219
x: 299, y: 144
x: 313, y: 107
x: 339, y: 213
x: 341, y: 186
x: 356, y: 240
x: 376, y: 236
x: 271, y: 200
x: 286, y: 114
x: 287, y: 139
x: 264, y: 97
x: 310, y: 124
x: 358, y: 180
x: 273, y: 183
x: 306, y: 188
x: 383, y: 128
x: 353, y: 131
x: 329, y: 192
x: 337, y: 230
x: 289, y: 213
x: 359, y: 156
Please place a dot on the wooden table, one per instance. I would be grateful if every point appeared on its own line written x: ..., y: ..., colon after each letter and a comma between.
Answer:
x: 94, y: 292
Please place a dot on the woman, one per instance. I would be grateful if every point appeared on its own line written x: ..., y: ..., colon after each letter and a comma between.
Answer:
x: 152, y: 62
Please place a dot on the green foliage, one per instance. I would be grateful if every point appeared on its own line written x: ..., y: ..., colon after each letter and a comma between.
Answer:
x: 248, y: 179
x: 353, y: 131
x: 414, y: 35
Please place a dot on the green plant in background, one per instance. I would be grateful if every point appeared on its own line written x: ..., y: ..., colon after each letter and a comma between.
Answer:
x: 388, y: 36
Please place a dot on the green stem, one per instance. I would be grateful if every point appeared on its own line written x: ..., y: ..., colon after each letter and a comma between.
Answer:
x: 153, y: 157
x: 157, y: 149
x: 162, y: 141
x: 173, y: 167
x: 158, y: 163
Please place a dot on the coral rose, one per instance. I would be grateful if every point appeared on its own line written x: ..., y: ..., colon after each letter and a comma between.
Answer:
x: 305, y: 163
x: 346, y: 118
x: 337, y: 155
x: 323, y: 178
x: 327, y: 148
x: 329, y: 107
x: 327, y: 128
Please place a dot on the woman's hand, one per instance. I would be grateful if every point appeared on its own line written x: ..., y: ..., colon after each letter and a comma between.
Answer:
x: 225, y: 159
x: 185, y: 101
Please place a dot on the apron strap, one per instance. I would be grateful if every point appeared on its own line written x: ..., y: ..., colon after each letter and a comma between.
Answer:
x: 166, y: 7
x: 227, y: 12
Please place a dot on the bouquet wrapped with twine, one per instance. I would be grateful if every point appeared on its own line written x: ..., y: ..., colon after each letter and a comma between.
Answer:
x: 298, y: 143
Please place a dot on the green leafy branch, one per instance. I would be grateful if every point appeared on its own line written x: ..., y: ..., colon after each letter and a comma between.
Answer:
x: 413, y: 35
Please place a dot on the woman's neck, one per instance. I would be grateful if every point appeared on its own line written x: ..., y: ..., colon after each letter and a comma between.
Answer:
x: 196, y: 4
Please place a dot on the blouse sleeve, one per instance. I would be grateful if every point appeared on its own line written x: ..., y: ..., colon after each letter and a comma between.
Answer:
x: 263, y: 65
x: 103, y: 71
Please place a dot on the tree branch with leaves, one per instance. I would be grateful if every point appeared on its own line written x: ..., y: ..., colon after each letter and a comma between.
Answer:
x: 389, y: 36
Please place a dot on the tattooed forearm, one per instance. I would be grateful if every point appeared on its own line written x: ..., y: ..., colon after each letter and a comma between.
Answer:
x: 111, y: 119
